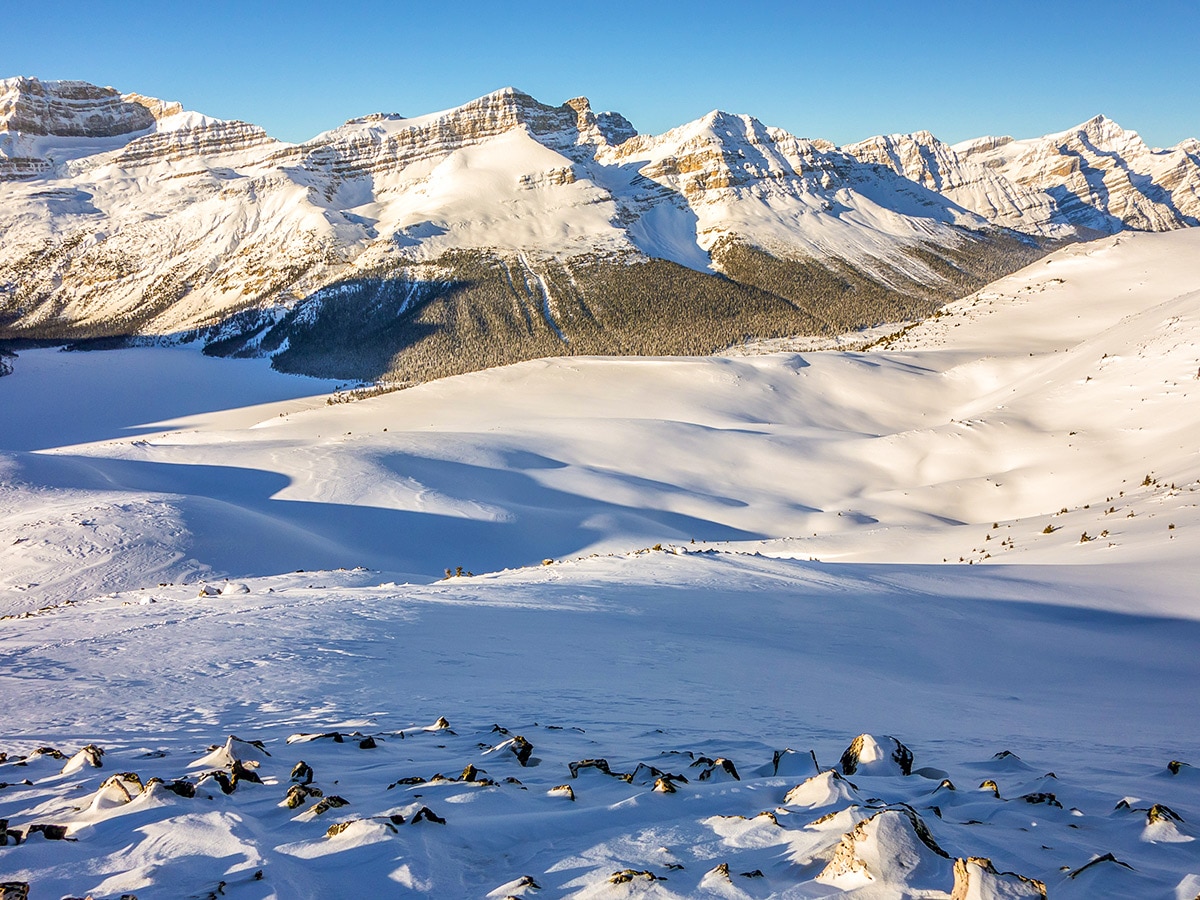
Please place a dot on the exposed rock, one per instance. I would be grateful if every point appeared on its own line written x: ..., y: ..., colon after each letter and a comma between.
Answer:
x: 223, y: 781
x: 338, y: 827
x: 990, y: 785
x: 975, y: 878
x: 411, y: 779
x: 244, y: 771
x: 935, y: 165
x: 789, y: 762
x: 1098, y: 861
x: 894, y: 846
x: 367, y: 743
x: 179, y: 787
x: 519, y: 886
x: 235, y: 750
x: 49, y: 832
x: 720, y: 871
x: 1041, y: 797
x: 117, y: 790
x: 663, y: 785
x: 1095, y: 178
x: 335, y: 736
x: 302, y: 773
x: 647, y: 774
x: 425, y: 814
x: 868, y: 755
x: 14, y: 890
x: 89, y: 755
x: 627, y: 875
x: 756, y: 873
x: 599, y: 764
x: 68, y: 109
x: 718, y: 768
x: 1175, y: 766
x: 7, y: 834
x: 298, y: 793
x: 1161, y: 813
x: 522, y: 749
x: 562, y: 790
x: 333, y: 801
x: 517, y: 745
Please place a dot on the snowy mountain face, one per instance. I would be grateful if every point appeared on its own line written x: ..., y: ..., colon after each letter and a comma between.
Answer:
x: 501, y: 230
x: 1096, y: 178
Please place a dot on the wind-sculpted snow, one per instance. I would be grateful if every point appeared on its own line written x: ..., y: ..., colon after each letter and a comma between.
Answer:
x: 912, y: 620
x: 577, y: 728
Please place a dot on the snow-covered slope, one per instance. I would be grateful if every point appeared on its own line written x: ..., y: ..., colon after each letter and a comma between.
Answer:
x: 1043, y: 692
x: 1096, y: 178
x: 986, y: 414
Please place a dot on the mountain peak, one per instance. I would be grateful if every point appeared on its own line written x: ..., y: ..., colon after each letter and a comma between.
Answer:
x: 70, y: 109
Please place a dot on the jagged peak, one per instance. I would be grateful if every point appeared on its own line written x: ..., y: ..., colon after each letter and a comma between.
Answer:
x: 1099, y: 130
x: 922, y: 138
x: 1191, y: 146
x: 984, y: 144
x: 719, y: 127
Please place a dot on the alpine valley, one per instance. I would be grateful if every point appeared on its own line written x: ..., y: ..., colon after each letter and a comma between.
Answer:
x: 404, y: 249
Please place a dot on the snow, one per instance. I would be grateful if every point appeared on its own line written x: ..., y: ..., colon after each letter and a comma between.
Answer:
x: 160, y: 502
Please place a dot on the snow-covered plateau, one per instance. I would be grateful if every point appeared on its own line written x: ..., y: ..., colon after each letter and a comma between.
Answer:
x: 915, y: 620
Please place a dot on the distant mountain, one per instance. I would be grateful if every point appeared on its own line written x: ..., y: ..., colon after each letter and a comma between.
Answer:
x: 1095, y: 178
x: 506, y: 229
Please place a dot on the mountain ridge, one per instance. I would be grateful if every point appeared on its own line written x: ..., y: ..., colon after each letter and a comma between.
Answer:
x: 187, y: 227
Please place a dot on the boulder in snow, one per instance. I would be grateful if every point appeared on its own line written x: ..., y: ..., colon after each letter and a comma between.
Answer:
x: 975, y: 878
x: 869, y: 755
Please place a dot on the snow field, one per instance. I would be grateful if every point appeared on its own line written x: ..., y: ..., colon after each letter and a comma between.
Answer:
x: 153, y: 512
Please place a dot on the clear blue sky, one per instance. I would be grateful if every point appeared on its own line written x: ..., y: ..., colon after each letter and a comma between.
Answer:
x: 841, y: 71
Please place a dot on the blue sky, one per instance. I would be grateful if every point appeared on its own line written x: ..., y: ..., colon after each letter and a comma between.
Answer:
x: 834, y: 70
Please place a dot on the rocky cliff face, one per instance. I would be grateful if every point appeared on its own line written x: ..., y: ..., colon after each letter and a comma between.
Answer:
x: 1103, y: 177
x: 388, y: 143
x: 924, y: 159
x: 69, y: 109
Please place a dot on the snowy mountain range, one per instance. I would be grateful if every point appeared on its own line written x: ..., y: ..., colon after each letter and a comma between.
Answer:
x: 506, y: 229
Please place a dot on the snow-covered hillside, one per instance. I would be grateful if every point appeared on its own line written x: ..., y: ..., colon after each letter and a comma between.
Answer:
x: 978, y: 535
x: 1060, y: 387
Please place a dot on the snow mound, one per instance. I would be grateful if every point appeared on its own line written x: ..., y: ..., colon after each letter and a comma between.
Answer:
x: 868, y: 755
